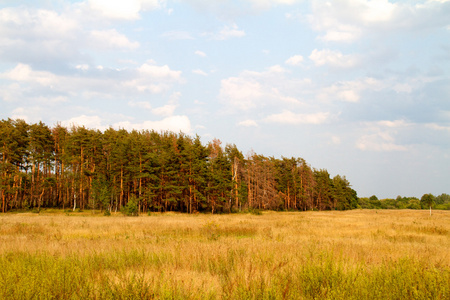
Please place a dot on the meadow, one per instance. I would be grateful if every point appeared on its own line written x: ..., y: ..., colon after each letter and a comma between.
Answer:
x: 358, y: 254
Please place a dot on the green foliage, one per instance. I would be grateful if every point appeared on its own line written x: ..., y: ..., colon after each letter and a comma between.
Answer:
x: 427, y: 200
x: 442, y: 199
x: 414, y: 204
x: 373, y: 198
x: 82, y: 168
x: 131, y: 208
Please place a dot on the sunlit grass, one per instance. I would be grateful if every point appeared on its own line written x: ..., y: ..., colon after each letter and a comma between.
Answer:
x: 336, y: 255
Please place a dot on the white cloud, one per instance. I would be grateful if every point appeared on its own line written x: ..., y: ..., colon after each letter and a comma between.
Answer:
x: 173, y: 123
x: 240, y: 92
x: 226, y: 9
x: 106, y: 39
x: 24, y: 73
x: 87, y: 121
x: 350, y: 91
x: 199, y: 72
x: 288, y: 117
x: 276, y: 69
x: 255, y: 90
x: 83, y: 67
x: 160, y: 72
x: 166, y: 110
x: 438, y: 127
x: 333, y: 58
x: 22, y: 22
x: 267, y: 4
x: 346, y: 21
x: 140, y: 104
x: 116, y: 9
x: 122, y: 10
x: 153, y: 78
x: 200, y: 53
x: 379, y: 142
x: 21, y: 113
x: 51, y: 36
x: 295, y: 60
x: 248, y: 123
x: 392, y: 124
x: 380, y: 136
x: 24, y: 83
x: 227, y: 32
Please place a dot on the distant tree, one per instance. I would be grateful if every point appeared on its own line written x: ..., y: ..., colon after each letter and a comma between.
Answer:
x: 414, y: 204
x: 427, y: 200
x: 344, y: 196
x: 373, y: 198
x: 165, y: 171
x: 324, y: 190
x: 131, y: 208
x: 443, y: 199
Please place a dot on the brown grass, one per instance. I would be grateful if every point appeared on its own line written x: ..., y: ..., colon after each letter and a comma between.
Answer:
x: 199, y: 252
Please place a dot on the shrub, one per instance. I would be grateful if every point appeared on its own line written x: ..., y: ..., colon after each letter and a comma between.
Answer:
x: 131, y: 208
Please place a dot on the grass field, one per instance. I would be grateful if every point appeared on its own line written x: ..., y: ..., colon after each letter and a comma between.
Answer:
x: 359, y: 254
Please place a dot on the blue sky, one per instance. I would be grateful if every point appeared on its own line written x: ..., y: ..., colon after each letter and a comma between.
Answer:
x: 361, y: 88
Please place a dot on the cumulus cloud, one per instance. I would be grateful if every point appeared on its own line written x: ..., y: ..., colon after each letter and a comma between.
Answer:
x: 111, y: 39
x: 140, y: 104
x: 25, y: 82
x: 333, y: 58
x: 251, y: 89
x: 153, y: 78
x: 84, y: 120
x: 24, y: 73
x: 122, y: 10
x: 350, y: 91
x: 229, y: 10
x: 227, y: 32
x: 288, y: 117
x: 241, y: 93
x: 438, y: 127
x: 62, y: 38
x: 199, y: 72
x: 51, y: 35
x: 248, y: 123
x: 380, y: 136
x: 295, y: 60
x: 379, y: 142
x: 166, y: 110
x: 346, y: 21
x: 159, y: 72
x: 200, y: 53
x: 172, y: 123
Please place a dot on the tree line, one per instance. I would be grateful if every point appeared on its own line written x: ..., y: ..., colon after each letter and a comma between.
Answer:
x: 426, y: 201
x: 81, y: 168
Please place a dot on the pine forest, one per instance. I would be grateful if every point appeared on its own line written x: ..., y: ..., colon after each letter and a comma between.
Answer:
x: 81, y: 168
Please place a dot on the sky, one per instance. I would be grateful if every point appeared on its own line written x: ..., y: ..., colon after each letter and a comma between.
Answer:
x: 360, y: 88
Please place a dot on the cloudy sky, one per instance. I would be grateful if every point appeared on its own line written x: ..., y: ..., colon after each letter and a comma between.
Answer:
x: 361, y: 88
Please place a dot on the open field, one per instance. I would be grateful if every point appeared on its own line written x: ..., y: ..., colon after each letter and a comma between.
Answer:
x: 359, y: 254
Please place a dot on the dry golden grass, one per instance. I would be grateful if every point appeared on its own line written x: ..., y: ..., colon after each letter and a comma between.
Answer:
x: 213, y: 255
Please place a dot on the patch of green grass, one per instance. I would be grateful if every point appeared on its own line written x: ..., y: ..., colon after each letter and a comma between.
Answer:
x: 141, y: 275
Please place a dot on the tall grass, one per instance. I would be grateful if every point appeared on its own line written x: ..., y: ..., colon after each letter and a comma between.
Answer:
x: 313, y: 255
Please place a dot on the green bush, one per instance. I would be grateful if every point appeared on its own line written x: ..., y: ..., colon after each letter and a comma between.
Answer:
x: 131, y: 208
